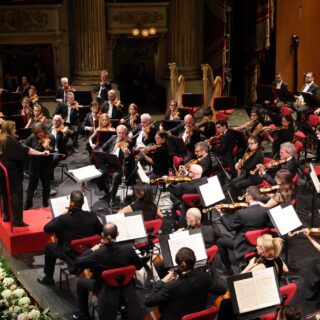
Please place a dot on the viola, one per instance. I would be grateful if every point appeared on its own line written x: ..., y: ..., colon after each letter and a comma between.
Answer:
x: 45, y: 142
x: 123, y: 144
x: 187, y: 166
x: 170, y: 179
x: 269, y: 189
x: 271, y: 164
x: 229, y: 207
x: 215, y: 138
x: 313, y: 232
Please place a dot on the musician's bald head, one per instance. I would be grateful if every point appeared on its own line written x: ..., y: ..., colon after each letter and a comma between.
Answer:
x: 195, y: 171
x: 188, y: 120
x: 193, y: 217
x: 110, y: 230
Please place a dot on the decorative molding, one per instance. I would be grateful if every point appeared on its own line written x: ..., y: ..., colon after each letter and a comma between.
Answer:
x: 138, y: 17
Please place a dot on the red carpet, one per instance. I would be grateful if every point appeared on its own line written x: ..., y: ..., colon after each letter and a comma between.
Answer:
x: 27, y: 239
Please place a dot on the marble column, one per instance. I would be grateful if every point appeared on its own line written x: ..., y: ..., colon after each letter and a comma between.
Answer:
x: 184, y: 37
x: 89, y: 40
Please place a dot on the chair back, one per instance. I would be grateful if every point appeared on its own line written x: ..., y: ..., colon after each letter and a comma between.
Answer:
x: 251, y: 236
x: 285, y: 111
x: 153, y: 226
x: 313, y: 120
x: 191, y: 200
x: 177, y: 161
x: 211, y: 252
x: 118, y: 277
x: 81, y: 245
x: 207, y: 314
x: 298, y: 145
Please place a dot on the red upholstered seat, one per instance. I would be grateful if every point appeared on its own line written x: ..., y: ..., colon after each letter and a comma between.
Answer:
x: 207, y: 314
x: 118, y: 277
x: 211, y: 252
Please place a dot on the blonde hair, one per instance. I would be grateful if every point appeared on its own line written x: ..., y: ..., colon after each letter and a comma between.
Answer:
x: 270, y: 244
x: 104, y: 115
x: 7, y: 128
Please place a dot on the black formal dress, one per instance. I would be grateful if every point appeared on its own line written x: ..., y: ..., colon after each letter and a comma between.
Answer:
x: 187, y: 294
x: 106, y: 258
x: 13, y: 158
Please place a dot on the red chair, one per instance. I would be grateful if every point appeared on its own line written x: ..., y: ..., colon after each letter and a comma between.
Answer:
x: 313, y: 120
x: 152, y: 227
x: 177, y: 161
x: 192, y: 200
x: 299, y: 146
x: 211, y: 252
x: 299, y: 135
x: 286, y: 111
x: 287, y: 292
x: 251, y: 237
x: 221, y: 116
x: 81, y: 245
x: 207, y: 314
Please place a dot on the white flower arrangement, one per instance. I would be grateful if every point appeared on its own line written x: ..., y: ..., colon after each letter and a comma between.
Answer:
x: 14, y: 300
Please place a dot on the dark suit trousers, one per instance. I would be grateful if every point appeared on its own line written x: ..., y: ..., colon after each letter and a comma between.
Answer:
x: 33, y: 183
x: 51, y: 253
x: 17, y: 206
x: 240, y: 184
x: 83, y: 288
x: 224, y: 244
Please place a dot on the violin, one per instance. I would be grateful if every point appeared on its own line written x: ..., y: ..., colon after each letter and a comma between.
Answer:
x: 214, y: 139
x: 53, y: 238
x: 246, y: 156
x: 187, y: 166
x: 202, y: 123
x: 63, y: 129
x: 230, y: 207
x: 123, y: 144
x: 271, y: 164
x: 45, y: 142
x: 150, y: 149
x: 313, y: 232
x: 269, y: 189
x: 275, y: 129
x: 219, y: 299
x: 166, y: 179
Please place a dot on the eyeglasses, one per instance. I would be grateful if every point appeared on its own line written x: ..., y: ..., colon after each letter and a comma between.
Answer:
x: 197, y: 151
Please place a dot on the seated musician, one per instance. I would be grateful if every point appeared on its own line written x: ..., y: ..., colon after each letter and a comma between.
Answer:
x: 285, y: 192
x: 103, y: 87
x: 110, y: 180
x: 184, y: 291
x: 108, y: 254
x: 189, y: 134
x: 40, y: 168
x: 157, y: 156
x: 104, y: 125
x: 132, y: 119
x: 33, y: 97
x: 144, y: 134
x: 70, y: 114
x: 24, y: 86
x: 91, y: 120
x: 36, y: 117
x: 281, y: 134
x: 75, y: 224
x: 143, y: 201
x: 26, y: 111
x: 223, y: 148
x: 61, y: 94
x: 251, y: 218
x: 247, y: 163
x: 206, y: 126
x: 174, y: 112
x: 112, y: 106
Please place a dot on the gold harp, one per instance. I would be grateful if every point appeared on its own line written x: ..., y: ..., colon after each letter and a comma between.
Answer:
x: 177, y: 87
x: 215, y: 83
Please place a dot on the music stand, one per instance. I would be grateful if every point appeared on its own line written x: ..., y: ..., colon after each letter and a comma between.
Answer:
x: 18, y: 119
x: 106, y: 161
x: 285, y: 95
x: 265, y: 93
x: 170, y: 124
x: 310, y: 100
x: 104, y: 136
x: 225, y: 103
x: 84, y: 98
x: 176, y: 146
x: 59, y: 205
x: 192, y: 101
x: 83, y: 111
x: 316, y: 188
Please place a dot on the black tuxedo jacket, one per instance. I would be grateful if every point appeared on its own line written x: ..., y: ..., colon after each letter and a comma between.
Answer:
x: 252, y: 162
x: 116, y: 111
x: 182, y: 188
x: 206, y: 165
x: 252, y: 218
x: 225, y: 150
x: 314, y: 89
x: 89, y: 122
x: 187, y: 294
x: 180, y: 129
x: 104, y: 92
x: 63, y: 111
x: 149, y: 139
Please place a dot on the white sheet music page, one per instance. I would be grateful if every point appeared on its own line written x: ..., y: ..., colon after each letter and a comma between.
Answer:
x: 212, y: 192
x: 85, y: 173
x: 120, y: 221
x: 285, y: 219
x: 59, y: 205
x: 144, y: 178
x: 136, y: 228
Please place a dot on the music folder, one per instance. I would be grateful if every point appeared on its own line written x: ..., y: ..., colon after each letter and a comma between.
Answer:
x: 130, y: 226
x: 171, y: 243
x: 84, y: 174
x: 60, y: 205
x: 310, y: 99
x: 314, y: 178
x: 106, y: 161
x: 211, y: 192
x: 254, y: 293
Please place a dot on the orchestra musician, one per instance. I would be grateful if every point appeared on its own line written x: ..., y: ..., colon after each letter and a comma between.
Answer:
x: 109, y: 254
x: 112, y: 106
x: 36, y: 117
x: 207, y: 127
x: 61, y: 94
x: 103, y: 87
x: 184, y: 291
x: 70, y: 114
x: 132, y: 119
x: 39, y: 168
x: 285, y: 192
x: 119, y: 146
x: 33, y: 97
x: 224, y: 151
x: 248, y: 162
x: 91, y: 120
x: 251, y: 218
x: 24, y: 86
x: 12, y: 155
x: 189, y: 134
x: 143, y: 201
x: 72, y: 225
x: 26, y: 111
x: 278, y: 82
x: 174, y: 112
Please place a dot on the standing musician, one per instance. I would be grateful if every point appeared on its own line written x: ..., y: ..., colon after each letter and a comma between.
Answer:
x: 132, y: 119
x: 143, y: 201
x: 39, y: 168
x: 189, y: 134
x: 36, y: 117
x: 144, y: 134
x: 119, y: 146
x: 248, y: 162
x: 224, y: 150
x: 157, y: 156
x: 103, y: 87
x: 12, y: 155
x: 75, y: 224
x: 281, y: 134
x: 91, y: 120
x: 174, y: 112
x: 112, y: 106
x: 206, y: 126
x: 61, y: 95
x: 70, y: 115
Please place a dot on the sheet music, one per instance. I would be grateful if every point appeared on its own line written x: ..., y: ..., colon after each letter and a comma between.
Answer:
x: 258, y: 292
x: 194, y: 242
x: 314, y: 178
x: 143, y: 177
x: 285, y: 219
x: 58, y: 205
x: 211, y: 192
x: 85, y: 173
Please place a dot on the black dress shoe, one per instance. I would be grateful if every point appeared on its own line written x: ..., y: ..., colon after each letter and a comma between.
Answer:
x: 46, y: 281
x: 20, y: 224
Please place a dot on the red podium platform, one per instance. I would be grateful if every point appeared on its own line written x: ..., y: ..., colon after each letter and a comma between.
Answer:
x: 27, y: 239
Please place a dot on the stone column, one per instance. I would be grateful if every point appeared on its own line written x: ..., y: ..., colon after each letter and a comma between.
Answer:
x: 89, y: 40
x: 184, y: 37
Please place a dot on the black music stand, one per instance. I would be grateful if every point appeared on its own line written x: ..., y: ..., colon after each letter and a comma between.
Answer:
x: 170, y: 124
x: 104, y: 136
x: 192, y: 101
x: 265, y: 93
x: 107, y: 161
x: 225, y: 103
x: 310, y: 100
x: 285, y: 95
x: 176, y: 146
x: 115, y: 122
x: 83, y: 111
x: 18, y: 119
x: 84, y: 98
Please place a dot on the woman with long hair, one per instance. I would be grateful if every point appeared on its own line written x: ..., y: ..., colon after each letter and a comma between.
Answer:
x: 12, y: 155
x: 143, y: 201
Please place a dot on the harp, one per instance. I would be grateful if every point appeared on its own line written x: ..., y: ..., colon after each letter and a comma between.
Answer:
x: 177, y: 87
